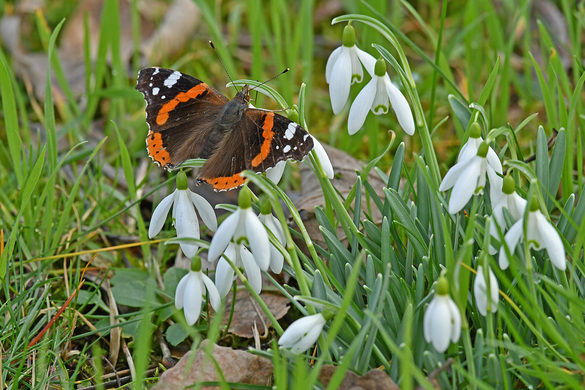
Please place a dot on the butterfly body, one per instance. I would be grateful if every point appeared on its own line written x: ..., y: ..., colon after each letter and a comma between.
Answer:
x: 189, y: 119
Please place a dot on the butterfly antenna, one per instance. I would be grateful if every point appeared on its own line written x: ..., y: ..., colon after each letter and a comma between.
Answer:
x: 223, y: 65
x: 269, y: 80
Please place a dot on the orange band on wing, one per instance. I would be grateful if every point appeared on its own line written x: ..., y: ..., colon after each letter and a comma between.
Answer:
x: 225, y: 182
x: 156, y: 149
x: 267, y: 134
x: 163, y: 115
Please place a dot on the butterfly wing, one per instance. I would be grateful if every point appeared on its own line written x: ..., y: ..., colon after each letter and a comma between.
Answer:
x: 181, y: 112
x: 258, y: 142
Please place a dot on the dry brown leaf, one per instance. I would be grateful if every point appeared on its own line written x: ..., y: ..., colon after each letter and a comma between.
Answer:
x: 373, y: 380
x: 236, y: 366
x: 345, y: 167
x: 248, y: 313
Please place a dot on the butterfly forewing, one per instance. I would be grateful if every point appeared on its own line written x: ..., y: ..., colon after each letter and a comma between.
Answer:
x: 180, y: 112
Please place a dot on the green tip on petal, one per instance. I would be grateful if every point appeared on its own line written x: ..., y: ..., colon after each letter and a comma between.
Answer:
x: 509, y: 185
x: 482, y: 151
x: 266, y: 207
x: 534, y: 205
x: 196, y: 264
x: 348, y: 36
x: 380, y: 68
x: 181, y: 180
x: 475, y: 130
x: 442, y: 286
x: 245, y: 198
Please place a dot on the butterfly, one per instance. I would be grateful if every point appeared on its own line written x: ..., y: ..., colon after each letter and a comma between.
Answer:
x: 189, y: 119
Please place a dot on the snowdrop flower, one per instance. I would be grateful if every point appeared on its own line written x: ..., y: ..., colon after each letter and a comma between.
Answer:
x: 442, y: 320
x: 469, y: 149
x: 274, y: 174
x: 184, y: 202
x: 511, y: 201
x: 190, y: 293
x: 273, y: 224
x: 304, y: 332
x: 467, y: 178
x: 344, y: 68
x: 540, y: 233
x: 377, y: 96
x: 485, y: 298
x: 243, y: 226
x: 241, y: 257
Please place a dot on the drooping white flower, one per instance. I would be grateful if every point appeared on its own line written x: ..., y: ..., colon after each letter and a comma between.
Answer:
x: 486, y: 297
x: 303, y: 333
x: 273, y: 225
x: 442, y: 319
x: 377, y: 96
x: 274, y: 174
x: 190, y: 294
x: 242, y: 226
x: 511, y: 201
x: 185, y: 220
x: 468, y: 177
x: 540, y: 233
x: 241, y: 257
x: 344, y: 67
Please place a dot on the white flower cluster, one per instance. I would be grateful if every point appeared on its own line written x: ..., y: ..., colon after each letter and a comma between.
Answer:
x: 344, y: 68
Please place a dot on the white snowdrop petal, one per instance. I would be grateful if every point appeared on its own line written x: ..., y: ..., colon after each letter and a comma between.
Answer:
x: 400, y: 106
x: 366, y: 59
x: 452, y: 175
x: 180, y: 291
x: 253, y: 272
x: 441, y: 328
x: 360, y: 107
x: 455, y: 320
x: 357, y: 73
x: 223, y: 236
x: 258, y: 239
x: 205, y: 210
x: 469, y: 149
x: 302, y: 333
x: 511, y: 240
x: 330, y: 62
x: 551, y: 241
x: 224, y: 277
x: 340, y: 81
x: 275, y: 173
x: 428, y: 320
x: 186, y: 223
x: 465, y: 186
x: 194, y: 299
x: 159, y: 215
x: 319, y: 150
x: 381, y: 102
x: 214, y: 297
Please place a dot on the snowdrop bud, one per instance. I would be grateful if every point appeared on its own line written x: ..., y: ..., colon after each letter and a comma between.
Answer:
x: 509, y: 187
x: 349, y: 36
x: 380, y: 68
x: 475, y: 130
x: 245, y: 198
x: 181, y: 180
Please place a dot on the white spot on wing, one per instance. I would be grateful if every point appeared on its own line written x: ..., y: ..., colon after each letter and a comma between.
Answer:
x: 172, y: 79
x: 155, y: 91
x: 305, y: 137
x: 290, y: 131
x: 156, y: 70
x: 286, y: 149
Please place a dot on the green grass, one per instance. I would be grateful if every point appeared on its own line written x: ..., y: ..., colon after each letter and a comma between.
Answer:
x: 457, y: 63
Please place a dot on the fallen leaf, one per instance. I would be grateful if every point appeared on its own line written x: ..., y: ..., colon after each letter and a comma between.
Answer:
x: 236, y: 367
x: 248, y: 313
x: 373, y: 380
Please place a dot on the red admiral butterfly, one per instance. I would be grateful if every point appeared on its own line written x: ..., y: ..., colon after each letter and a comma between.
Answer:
x: 189, y: 119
